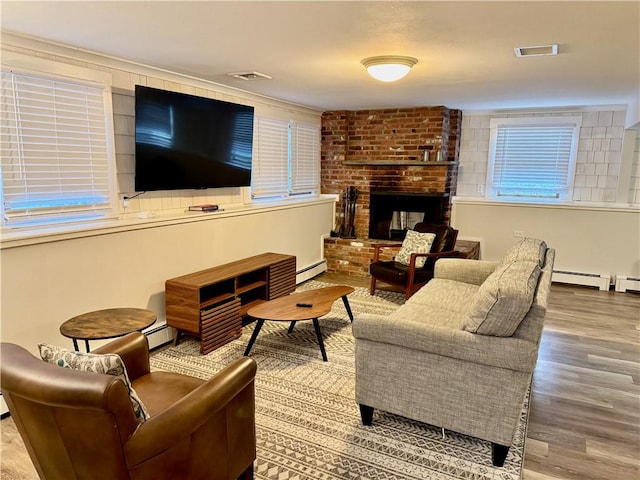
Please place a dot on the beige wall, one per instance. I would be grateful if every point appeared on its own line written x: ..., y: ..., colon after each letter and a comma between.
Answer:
x: 43, y: 285
x: 587, y: 240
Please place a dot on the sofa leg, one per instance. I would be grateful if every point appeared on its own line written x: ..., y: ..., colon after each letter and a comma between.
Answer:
x: 498, y: 454
x: 247, y: 474
x: 366, y: 414
x: 372, y: 288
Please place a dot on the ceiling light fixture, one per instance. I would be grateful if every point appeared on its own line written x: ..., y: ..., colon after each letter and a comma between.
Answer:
x: 388, y: 68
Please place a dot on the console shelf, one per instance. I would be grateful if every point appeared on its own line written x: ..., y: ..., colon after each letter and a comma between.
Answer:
x: 211, y: 303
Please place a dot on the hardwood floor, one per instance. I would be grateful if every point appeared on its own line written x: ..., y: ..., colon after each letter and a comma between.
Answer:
x: 584, y: 422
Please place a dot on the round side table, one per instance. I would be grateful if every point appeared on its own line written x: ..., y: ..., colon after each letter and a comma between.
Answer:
x: 108, y: 323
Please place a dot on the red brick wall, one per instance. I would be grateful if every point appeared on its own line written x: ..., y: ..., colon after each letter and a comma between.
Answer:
x: 388, y: 135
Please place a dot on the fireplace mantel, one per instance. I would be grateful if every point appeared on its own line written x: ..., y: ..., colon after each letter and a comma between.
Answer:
x: 386, y: 163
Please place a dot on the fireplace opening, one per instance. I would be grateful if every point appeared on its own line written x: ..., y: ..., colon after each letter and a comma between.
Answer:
x: 391, y: 214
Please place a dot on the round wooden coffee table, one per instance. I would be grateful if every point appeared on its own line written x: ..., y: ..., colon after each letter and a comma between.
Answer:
x: 299, y: 306
x: 108, y: 323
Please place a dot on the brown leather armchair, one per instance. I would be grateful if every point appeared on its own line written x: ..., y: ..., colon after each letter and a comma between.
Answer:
x: 81, y: 425
x: 410, y: 277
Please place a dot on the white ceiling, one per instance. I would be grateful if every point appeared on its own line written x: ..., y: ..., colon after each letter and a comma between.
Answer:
x: 313, y: 49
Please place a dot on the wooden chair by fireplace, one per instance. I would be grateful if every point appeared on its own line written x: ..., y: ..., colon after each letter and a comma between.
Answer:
x: 411, y: 277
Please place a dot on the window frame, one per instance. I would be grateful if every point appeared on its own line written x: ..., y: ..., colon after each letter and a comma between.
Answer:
x: 46, y: 70
x: 564, y: 193
x: 284, y: 160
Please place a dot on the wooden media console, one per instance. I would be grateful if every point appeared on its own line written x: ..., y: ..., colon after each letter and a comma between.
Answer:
x: 211, y: 303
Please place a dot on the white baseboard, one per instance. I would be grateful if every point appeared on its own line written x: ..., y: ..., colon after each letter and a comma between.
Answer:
x: 159, y: 334
x: 603, y: 282
x: 624, y: 283
x: 311, y: 271
x: 3, y: 406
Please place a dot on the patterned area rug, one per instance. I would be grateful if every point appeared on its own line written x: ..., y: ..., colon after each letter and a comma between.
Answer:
x: 307, y: 422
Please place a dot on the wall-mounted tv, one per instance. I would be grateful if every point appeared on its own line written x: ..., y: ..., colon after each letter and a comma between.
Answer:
x: 189, y: 142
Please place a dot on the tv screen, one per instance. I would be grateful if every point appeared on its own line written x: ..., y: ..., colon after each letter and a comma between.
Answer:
x: 188, y: 142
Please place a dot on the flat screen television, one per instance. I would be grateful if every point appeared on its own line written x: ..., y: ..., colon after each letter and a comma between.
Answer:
x: 188, y: 142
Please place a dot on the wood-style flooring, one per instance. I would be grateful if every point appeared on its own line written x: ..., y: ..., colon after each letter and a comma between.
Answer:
x: 584, y: 422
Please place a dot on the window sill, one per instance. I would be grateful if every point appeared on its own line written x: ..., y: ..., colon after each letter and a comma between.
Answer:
x: 18, y: 237
x: 614, y: 207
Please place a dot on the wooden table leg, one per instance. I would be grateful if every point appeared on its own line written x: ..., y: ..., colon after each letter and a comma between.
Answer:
x: 316, y: 325
x: 254, y: 335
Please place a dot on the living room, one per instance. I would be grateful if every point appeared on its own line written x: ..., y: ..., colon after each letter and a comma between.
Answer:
x: 50, y: 274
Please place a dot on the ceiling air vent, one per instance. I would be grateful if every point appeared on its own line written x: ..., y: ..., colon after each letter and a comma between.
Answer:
x: 250, y: 76
x: 537, y: 51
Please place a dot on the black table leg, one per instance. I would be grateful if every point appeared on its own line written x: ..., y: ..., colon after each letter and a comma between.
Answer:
x: 316, y: 325
x: 254, y: 335
x: 75, y: 345
x: 347, y: 306
x: 86, y: 345
x: 293, y: 324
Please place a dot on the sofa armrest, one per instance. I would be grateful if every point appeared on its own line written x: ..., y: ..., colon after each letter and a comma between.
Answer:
x: 166, y: 429
x: 503, y: 352
x: 134, y: 351
x: 464, y: 270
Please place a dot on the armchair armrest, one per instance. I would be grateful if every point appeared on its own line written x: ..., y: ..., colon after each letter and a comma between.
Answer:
x: 134, y: 351
x: 503, y: 352
x: 436, y: 255
x: 378, y: 247
x: 166, y: 429
x: 464, y: 270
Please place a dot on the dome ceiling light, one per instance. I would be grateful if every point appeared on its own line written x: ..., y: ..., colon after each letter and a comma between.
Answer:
x: 388, y: 68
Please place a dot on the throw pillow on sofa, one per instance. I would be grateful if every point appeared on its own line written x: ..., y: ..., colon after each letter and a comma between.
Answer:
x: 415, y: 242
x: 503, y: 299
x: 110, y: 364
x: 527, y: 250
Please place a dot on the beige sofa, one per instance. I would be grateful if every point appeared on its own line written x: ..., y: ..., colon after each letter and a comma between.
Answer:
x: 459, y: 354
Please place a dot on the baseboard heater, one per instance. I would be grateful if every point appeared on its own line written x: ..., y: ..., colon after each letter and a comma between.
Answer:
x: 603, y: 282
x: 624, y: 283
x: 311, y: 271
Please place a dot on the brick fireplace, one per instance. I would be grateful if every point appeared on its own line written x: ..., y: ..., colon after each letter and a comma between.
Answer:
x: 381, y: 153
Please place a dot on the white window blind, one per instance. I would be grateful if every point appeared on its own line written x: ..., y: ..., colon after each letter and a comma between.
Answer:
x: 533, y: 157
x: 55, y: 161
x: 270, y: 172
x: 305, y: 159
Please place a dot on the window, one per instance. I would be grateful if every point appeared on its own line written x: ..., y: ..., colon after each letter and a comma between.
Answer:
x: 56, y: 150
x: 532, y: 158
x: 305, y: 165
x: 270, y: 159
x: 286, y: 158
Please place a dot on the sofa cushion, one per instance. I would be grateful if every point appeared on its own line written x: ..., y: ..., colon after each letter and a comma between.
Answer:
x: 503, y: 299
x: 445, y: 294
x: 528, y: 250
x: 110, y: 364
x: 415, y: 242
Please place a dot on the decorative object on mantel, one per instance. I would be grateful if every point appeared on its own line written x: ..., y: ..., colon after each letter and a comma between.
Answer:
x: 347, y: 229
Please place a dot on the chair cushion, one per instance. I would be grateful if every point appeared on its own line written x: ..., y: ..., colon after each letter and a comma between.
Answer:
x: 397, y: 273
x: 503, y: 299
x: 528, y: 250
x: 110, y: 364
x: 415, y: 242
